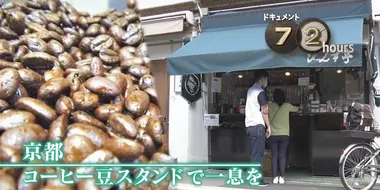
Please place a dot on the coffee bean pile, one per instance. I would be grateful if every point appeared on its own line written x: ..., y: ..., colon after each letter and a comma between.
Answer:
x: 80, y: 79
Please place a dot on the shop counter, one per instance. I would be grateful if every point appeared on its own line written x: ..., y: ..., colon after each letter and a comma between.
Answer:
x: 315, y: 143
x: 229, y: 142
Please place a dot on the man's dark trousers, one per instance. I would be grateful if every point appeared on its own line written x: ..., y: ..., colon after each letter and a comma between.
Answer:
x: 256, y: 136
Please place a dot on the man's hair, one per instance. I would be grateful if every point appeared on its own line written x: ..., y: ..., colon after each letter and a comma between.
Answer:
x: 259, y: 74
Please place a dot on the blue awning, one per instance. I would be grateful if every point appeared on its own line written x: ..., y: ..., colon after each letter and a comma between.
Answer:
x: 235, y: 41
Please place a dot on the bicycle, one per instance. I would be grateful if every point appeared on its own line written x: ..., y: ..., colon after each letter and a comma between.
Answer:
x: 359, y: 161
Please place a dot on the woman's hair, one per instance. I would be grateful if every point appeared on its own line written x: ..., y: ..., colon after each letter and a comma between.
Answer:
x: 279, y: 96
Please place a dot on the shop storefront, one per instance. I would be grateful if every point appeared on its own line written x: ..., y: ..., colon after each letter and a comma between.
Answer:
x: 164, y: 35
x: 233, y: 44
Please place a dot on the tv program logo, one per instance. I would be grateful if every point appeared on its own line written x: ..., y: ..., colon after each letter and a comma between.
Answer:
x: 337, y: 48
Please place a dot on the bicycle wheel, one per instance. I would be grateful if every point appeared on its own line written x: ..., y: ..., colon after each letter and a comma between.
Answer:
x: 354, y: 171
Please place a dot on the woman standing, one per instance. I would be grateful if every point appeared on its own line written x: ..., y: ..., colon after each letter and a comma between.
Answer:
x: 279, y: 139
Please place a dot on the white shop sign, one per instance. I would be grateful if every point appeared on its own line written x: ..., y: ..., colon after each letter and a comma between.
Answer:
x: 211, y: 119
x: 148, y: 4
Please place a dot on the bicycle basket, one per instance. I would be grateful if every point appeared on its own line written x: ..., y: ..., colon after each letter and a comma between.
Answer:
x: 360, y: 118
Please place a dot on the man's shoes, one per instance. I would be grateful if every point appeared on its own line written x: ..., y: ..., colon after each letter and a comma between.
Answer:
x: 263, y: 184
x: 275, y: 180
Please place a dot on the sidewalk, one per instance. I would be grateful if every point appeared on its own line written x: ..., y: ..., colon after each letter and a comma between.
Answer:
x: 292, y: 182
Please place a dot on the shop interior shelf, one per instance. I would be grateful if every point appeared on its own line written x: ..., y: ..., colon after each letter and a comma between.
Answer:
x: 360, y: 134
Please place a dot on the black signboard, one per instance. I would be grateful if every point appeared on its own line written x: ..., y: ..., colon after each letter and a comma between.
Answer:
x: 191, y: 87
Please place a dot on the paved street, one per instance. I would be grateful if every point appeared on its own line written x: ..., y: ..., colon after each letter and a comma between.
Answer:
x: 272, y: 187
x: 293, y: 182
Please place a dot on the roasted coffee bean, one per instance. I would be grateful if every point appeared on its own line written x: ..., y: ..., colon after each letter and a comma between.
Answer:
x: 138, y: 70
x: 153, y: 111
x: 64, y: 105
x: 36, y: 27
x: 66, y: 60
x: 123, y: 124
x: 103, y: 30
x: 85, y: 44
x: 53, y: 88
x: 109, y: 57
x: 161, y: 157
x: 82, y: 22
x: 99, y: 156
x: 142, y: 50
x: 52, y: 5
x: 36, y: 17
x: 155, y: 129
x: 12, y: 155
x: 31, y: 80
x: 7, y: 64
x: 14, y: 118
x: 137, y: 103
x: 39, y: 60
x: 104, y: 111
x: 21, y: 52
x: 124, y: 149
x: 83, y: 117
x: 65, y: 20
x: 55, y: 48
x: 93, y: 20
x: 77, y: 148
x: 10, y: 79
x: 117, y: 32
x: 122, y: 21
x: 17, y: 136
x: 85, y: 100
x: 127, y: 58
x: 57, y: 129
x: 97, y: 67
x: 6, y: 55
x: 142, y: 121
x: 36, y: 44
x: 71, y: 31
x: 69, y: 41
x: 37, y: 107
x: 103, y: 86
x: 4, y: 45
x: 96, y: 135
x: 33, y: 4
x: 147, y: 142
x: 56, y: 72
x: 133, y: 35
x: 147, y: 81
x: 30, y: 186
x: 16, y: 21
x: 82, y: 32
x: 164, y: 147
x: 101, y: 42
x: 120, y: 79
x: 56, y: 36
x: 131, y: 4
x: 4, y: 105
x: 7, y: 34
x: 55, y: 28
x: 20, y: 92
x: 53, y: 18
x: 93, y: 30
x: 7, y: 181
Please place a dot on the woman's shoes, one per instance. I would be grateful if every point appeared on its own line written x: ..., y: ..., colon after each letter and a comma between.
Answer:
x: 281, y: 180
x: 278, y: 180
x: 275, y: 180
